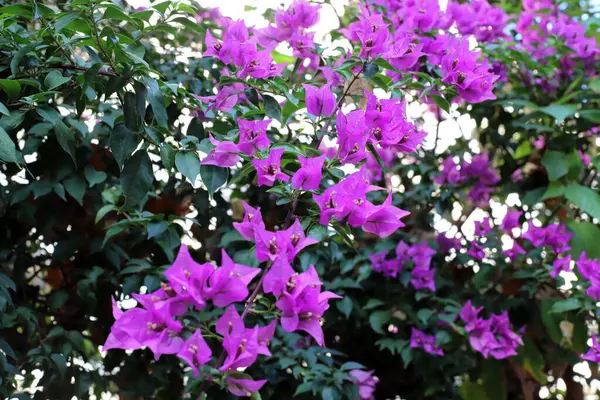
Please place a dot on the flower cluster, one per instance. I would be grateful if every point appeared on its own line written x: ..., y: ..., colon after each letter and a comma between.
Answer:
x: 240, y: 50
x: 536, y: 27
x: 420, y: 340
x: 158, y: 324
x: 419, y: 255
x: 291, y: 26
x: 492, y: 336
x: 347, y: 201
x: 477, y: 171
x: 459, y: 66
x: 480, y: 19
x: 299, y: 296
x: 590, y: 270
x: 554, y: 236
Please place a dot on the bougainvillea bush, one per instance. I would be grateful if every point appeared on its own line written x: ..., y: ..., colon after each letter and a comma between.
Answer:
x: 403, y: 206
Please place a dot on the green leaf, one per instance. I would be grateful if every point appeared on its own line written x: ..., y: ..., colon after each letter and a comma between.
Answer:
x: 133, y: 120
x: 66, y: 139
x: 61, y: 363
x: 156, y: 228
x: 8, y: 150
x: 591, y: 115
x: 16, y: 60
x: 282, y: 58
x: 123, y: 143
x: 303, y: 388
x: 58, y: 299
x: 94, y: 177
x: 556, y: 164
x: 196, y: 128
x: 472, y: 391
x: 560, y: 112
x: 551, y: 321
x: 11, y: 88
x: 64, y: 20
x: 532, y: 360
x: 4, y: 110
x: 137, y: 178
x: 156, y: 100
x: 48, y: 114
x: 350, y: 365
x: 523, y: 150
x: 566, y: 305
x: 345, y: 306
x: 54, y: 79
x: 373, y: 303
x: 440, y: 102
x: 188, y: 163
x: 272, y: 107
x: 167, y: 156
x: 378, y: 318
x: 105, y: 209
x: 330, y: 393
x: 555, y: 189
x: 213, y: 177
x: 75, y: 186
x: 424, y: 314
x: 370, y: 70
x: 585, y: 198
x: 585, y: 239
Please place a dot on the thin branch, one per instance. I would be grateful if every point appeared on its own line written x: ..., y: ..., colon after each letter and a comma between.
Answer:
x: 77, y: 68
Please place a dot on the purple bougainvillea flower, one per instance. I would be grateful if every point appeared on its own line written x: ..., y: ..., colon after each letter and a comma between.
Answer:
x: 297, y: 239
x: 446, y: 244
x: 243, y: 387
x: 195, y: 352
x: 303, y: 306
x: 252, y: 220
x: 228, y: 283
x: 320, y: 101
x: 138, y: 327
x: 253, y: 135
x: 419, y: 340
x: 347, y: 199
x: 593, y: 353
x: 404, y: 53
x: 224, y: 154
x: 483, y: 227
x: 560, y: 265
x: 165, y: 296
x: 511, y: 220
x: 186, y: 276
x: 476, y: 251
x: 372, y: 33
x: 270, y: 245
x: 276, y: 279
x: 423, y: 278
x: 352, y: 139
x: 241, y: 344
x: 492, y: 336
x: 514, y: 251
x: 308, y: 177
x: 383, y: 220
x: 287, y: 243
x: 227, y: 97
x: 269, y: 170
x: 366, y: 381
